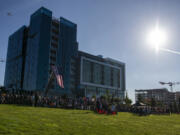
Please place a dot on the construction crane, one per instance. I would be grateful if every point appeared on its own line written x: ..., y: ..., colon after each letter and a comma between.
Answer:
x: 171, y: 84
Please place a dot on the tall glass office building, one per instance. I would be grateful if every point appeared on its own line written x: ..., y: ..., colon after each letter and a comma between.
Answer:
x: 15, y: 62
x: 52, y: 41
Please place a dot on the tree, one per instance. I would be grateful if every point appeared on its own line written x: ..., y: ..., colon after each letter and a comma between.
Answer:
x: 94, y: 96
x: 117, y: 100
x: 153, y: 102
x: 175, y: 107
x: 127, y: 100
x: 171, y: 107
x: 2, y: 89
x: 139, y: 98
x: 108, y: 96
x: 179, y: 105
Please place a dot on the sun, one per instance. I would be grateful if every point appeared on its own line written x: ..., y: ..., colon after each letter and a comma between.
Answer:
x: 157, y: 37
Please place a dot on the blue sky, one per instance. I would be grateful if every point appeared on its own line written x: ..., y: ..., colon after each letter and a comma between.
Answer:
x: 113, y: 28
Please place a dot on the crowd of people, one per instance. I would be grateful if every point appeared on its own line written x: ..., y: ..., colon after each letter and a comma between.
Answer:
x: 39, y: 100
x: 104, y: 107
x: 146, y: 110
x: 35, y: 99
x: 99, y: 105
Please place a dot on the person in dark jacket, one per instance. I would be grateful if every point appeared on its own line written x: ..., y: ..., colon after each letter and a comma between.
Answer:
x: 36, y: 99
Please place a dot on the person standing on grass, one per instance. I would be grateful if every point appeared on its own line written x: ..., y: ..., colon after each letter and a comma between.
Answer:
x: 1, y: 97
x: 97, y: 105
x: 32, y: 99
x: 36, y: 99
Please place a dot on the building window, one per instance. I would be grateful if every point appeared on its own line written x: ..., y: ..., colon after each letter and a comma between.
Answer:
x: 55, y: 31
x: 52, y: 58
x: 55, y: 24
x: 54, y: 38
x: 54, y: 45
x: 53, y: 52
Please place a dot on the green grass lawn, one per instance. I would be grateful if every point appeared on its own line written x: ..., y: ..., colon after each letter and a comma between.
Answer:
x: 19, y: 120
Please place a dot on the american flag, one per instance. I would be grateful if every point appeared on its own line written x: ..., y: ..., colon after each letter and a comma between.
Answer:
x: 59, y: 77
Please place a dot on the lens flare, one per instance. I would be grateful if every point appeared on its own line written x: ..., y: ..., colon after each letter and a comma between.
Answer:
x: 157, y: 38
